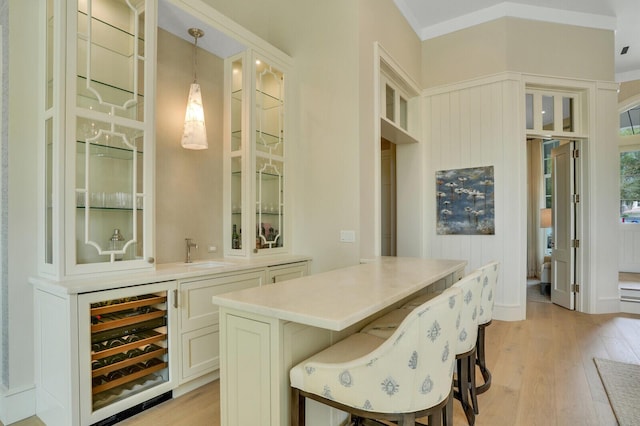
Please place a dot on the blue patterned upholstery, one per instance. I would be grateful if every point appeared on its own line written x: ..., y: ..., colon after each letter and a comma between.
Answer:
x: 408, y: 372
x: 489, y: 282
x: 489, y: 273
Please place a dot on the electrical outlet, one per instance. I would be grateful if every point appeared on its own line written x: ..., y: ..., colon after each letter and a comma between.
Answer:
x: 347, y: 236
x: 212, y: 249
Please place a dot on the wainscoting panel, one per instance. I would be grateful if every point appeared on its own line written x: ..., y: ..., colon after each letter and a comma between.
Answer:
x: 629, y: 248
x: 473, y: 125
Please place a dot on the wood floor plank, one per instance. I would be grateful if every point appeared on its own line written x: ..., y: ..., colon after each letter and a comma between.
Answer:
x: 543, y: 374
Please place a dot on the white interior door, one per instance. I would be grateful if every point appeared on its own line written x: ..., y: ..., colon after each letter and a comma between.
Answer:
x: 563, y: 252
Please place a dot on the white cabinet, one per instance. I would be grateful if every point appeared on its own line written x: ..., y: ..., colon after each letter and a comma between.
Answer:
x: 98, y: 130
x: 101, y: 353
x: 199, y: 333
x: 290, y: 271
x: 256, y: 154
x: 199, y: 318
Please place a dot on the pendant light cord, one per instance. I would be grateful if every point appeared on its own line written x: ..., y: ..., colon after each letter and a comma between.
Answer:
x: 195, y: 60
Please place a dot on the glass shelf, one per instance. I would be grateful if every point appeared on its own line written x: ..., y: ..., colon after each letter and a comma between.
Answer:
x: 122, y: 209
x: 111, y: 26
x: 106, y: 151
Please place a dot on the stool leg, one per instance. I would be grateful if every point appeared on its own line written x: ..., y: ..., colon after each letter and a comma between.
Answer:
x: 481, y: 361
x: 447, y: 413
x: 297, y: 408
x: 472, y: 382
x: 463, y: 389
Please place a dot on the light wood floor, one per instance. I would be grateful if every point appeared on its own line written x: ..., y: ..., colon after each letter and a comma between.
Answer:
x: 543, y: 374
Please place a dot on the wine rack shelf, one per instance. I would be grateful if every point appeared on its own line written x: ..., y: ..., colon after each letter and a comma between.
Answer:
x: 128, y: 345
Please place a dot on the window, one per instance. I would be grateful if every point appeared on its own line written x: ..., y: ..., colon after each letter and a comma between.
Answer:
x: 547, y: 166
x: 552, y: 112
x: 630, y: 163
x: 630, y: 121
x: 630, y: 186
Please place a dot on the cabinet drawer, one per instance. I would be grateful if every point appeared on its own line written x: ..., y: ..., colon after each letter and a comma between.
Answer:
x: 196, y: 309
x: 200, y: 352
x: 277, y: 274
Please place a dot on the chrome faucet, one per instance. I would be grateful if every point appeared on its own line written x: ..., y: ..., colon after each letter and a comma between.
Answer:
x: 190, y: 244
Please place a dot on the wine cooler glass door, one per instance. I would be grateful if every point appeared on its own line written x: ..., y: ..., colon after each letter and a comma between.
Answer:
x: 125, y: 351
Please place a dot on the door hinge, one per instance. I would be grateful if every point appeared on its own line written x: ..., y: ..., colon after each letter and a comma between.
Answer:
x: 575, y: 288
x: 575, y: 243
x: 575, y: 153
x: 576, y: 198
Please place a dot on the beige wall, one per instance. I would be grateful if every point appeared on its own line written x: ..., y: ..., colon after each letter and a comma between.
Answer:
x: 188, y: 182
x: 513, y: 44
x: 321, y: 36
x: 22, y: 223
x: 628, y: 90
x: 331, y: 43
x: 379, y: 20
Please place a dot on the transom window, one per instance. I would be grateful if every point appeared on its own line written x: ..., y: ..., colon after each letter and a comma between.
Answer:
x: 630, y: 164
x: 553, y: 113
x: 630, y: 121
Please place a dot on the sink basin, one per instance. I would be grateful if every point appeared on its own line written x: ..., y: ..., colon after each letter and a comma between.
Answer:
x: 207, y: 264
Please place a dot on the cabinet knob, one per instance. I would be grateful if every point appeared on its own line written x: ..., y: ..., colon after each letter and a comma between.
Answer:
x: 150, y: 260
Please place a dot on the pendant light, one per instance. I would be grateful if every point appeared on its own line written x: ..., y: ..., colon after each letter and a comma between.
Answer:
x: 194, y: 135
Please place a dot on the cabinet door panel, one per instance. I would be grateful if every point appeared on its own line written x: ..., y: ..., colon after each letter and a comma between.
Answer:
x: 287, y: 272
x: 201, y: 352
x: 248, y: 357
x: 197, y: 311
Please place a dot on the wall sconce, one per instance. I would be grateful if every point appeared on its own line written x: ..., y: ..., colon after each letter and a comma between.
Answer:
x: 194, y: 135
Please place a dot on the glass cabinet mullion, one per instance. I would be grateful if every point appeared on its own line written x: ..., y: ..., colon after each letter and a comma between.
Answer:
x: 98, y: 56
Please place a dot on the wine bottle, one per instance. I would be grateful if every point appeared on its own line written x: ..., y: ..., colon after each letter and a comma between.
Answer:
x: 235, y: 238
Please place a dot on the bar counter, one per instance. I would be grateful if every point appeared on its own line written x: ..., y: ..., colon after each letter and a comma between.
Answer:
x: 264, y: 331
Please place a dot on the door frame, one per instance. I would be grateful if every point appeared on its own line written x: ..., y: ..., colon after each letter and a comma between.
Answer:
x: 584, y: 97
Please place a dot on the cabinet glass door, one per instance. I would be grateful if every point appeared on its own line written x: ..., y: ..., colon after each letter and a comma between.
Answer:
x: 236, y: 153
x: 269, y: 155
x: 109, y: 130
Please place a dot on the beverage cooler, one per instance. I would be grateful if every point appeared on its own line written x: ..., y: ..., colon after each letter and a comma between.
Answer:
x: 124, y: 350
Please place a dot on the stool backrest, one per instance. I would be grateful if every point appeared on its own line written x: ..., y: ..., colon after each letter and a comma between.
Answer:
x: 410, y: 371
x: 471, y: 286
x: 489, y: 282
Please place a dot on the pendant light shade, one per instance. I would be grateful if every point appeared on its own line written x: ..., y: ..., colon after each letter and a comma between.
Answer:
x: 194, y: 135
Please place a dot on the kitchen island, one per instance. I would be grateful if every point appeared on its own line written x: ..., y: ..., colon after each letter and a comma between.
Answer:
x: 265, y: 331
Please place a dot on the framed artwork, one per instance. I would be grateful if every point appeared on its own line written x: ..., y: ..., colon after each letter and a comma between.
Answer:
x: 465, y: 201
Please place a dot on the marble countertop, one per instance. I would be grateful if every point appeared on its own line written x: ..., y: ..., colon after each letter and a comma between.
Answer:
x: 161, y: 273
x: 337, y: 299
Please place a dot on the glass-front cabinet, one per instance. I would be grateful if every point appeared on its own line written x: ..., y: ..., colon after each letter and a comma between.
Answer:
x: 101, y: 129
x: 256, y: 156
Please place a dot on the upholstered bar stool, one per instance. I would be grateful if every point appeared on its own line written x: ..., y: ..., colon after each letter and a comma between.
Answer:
x: 471, y: 287
x: 398, y: 379
x: 489, y: 279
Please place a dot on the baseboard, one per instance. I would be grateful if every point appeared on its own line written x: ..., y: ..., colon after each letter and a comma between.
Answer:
x: 509, y: 312
x: 630, y: 307
x: 196, y: 383
x: 17, y: 404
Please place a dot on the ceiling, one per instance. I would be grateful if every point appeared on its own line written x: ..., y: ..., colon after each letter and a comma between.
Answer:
x: 432, y: 18
x: 176, y: 21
